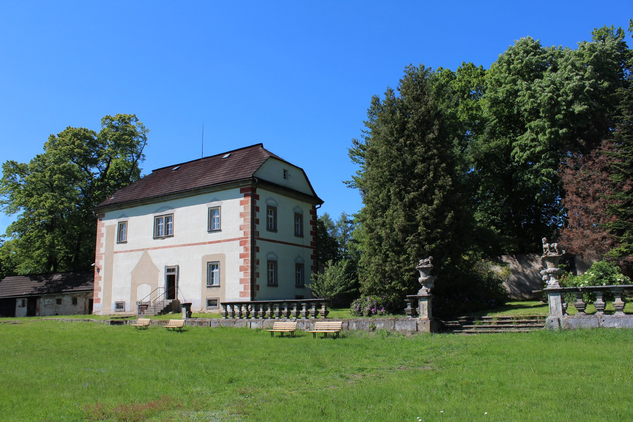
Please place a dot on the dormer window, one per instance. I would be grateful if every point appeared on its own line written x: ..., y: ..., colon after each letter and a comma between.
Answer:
x: 286, y: 174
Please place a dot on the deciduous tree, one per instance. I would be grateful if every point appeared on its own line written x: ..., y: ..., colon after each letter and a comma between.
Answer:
x: 53, y: 195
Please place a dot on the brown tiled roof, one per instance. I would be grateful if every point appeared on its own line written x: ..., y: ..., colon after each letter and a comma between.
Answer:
x: 219, y: 169
x: 40, y: 284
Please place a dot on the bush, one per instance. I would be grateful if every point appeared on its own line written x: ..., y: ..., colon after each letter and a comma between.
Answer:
x: 369, y: 306
x: 335, y: 280
x: 601, y: 273
x: 482, y: 288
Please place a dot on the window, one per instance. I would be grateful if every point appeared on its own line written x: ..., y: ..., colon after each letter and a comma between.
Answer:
x: 164, y: 226
x: 58, y: 301
x: 214, y: 219
x: 74, y: 301
x: 271, y: 273
x: 121, y: 232
x: 213, y: 303
x: 299, y: 275
x: 213, y: 274
x: 23, y: 303
x: 271, y: 219
x: 286, y: 174
x: 298, y: 224
x: 119, y: 306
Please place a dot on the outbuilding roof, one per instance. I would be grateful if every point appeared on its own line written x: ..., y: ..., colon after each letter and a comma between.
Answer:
x: 231, y: 166
x: 42, y: 284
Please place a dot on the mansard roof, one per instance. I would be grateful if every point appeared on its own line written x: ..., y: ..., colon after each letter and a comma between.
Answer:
x: 208, y: 172
x: 41, y: 284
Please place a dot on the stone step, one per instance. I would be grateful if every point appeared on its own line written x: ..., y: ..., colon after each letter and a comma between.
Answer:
x: 496, y: 324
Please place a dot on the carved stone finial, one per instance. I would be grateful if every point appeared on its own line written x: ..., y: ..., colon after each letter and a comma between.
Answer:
x: 551, y: 249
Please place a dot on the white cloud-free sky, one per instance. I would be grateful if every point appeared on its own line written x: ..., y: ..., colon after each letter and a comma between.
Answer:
x: 296, y: 76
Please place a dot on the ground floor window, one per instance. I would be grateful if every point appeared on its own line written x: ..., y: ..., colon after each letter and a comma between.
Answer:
x: 299, y: 275
x: 213, y: 303
x: 213, y: 274
x: 271, y: 273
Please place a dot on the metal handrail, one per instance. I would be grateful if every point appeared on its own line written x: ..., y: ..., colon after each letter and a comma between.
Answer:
x: 161, y: 296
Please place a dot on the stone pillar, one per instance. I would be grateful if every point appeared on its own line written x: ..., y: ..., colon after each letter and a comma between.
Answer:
x: 424, y: 306
x: 556, y: 312
x: 186, y: 310
x: 550, y: 259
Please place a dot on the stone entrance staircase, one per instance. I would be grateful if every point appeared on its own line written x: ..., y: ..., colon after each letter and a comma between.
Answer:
x: 496, y: 324
x: 160, y: 307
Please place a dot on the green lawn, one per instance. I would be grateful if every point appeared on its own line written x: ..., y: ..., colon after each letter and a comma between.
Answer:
x: 76, y: 371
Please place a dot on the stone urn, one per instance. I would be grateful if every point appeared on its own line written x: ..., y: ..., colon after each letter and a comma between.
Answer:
x: 550, y: 259
x: 426, y: 279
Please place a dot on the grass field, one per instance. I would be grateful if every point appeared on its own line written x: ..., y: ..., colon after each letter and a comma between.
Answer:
x: 61, y: 371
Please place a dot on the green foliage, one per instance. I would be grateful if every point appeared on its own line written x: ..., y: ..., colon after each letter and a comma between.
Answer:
x: 335, y: 280
x: 54, y: 194
x: 409, y: 183
x: 601, y: 273
x: 477, y: 289
x: 367, y: 306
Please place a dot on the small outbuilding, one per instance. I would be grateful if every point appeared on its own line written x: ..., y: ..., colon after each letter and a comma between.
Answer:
x: 46, y: 294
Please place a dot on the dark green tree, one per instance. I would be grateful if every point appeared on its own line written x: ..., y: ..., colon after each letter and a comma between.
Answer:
x: 410, y: 186
x: 53, y: 195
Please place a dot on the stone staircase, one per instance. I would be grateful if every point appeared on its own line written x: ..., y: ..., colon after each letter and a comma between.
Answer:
x: 159, y: 307
x: 495, y: 324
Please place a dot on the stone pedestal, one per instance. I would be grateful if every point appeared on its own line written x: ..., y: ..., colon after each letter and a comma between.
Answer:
x: 424, y: 306
x: 186, y: 310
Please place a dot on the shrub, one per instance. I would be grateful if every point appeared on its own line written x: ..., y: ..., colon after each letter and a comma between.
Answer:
x: 482, y: 288
x: 601, y: 273
x: 369, y: 306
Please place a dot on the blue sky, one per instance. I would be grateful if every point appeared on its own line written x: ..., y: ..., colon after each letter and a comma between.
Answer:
x: 296, y: 76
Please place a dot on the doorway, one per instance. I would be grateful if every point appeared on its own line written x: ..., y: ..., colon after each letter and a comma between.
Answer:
x: 31, y: 306
x: 171, y: 282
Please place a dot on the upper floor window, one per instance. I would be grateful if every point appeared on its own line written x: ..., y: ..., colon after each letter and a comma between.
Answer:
x: 298, y: 224
x: 213, y: 274
x: 214, y: 219
x: 121, y: 232
x: 271, y: 273
x: 164, y: 225
x: 271, y: 218
x: 286, y: 174
x: 299, y: 275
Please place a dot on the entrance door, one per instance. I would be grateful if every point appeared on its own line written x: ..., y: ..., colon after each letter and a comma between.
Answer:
x: 171, y: 282
x: 31, y: 306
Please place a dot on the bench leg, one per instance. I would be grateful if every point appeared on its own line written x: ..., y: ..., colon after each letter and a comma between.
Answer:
x: 313, y: 335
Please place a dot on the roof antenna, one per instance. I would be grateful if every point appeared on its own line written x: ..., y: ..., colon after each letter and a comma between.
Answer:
x: 202, y: 155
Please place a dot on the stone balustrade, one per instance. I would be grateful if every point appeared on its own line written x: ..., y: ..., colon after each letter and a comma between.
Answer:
x: 275, y: 309
x: 558, y: 307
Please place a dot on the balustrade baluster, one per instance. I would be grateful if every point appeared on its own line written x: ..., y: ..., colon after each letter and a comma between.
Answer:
x: 324, y: 310
x: 295, y: 310
x: 224, y: 311
x: 313, y: 310
x: 580, y: 303
x: 277, y: 311
x: 286, y: 310
x: 618, y: 302
x: 232, y: 310
x: 599, y: 303
x: 304, y: 310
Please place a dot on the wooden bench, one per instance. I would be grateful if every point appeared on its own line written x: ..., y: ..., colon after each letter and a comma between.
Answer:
x: 175, y: 324
x: 326, y: 327
x: 283, y: 327
x: 141, y: 323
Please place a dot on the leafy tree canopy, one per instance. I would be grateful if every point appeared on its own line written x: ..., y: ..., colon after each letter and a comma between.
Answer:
x: 53, y: 195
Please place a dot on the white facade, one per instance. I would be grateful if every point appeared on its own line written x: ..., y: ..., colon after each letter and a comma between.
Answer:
x: 145, y: 248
